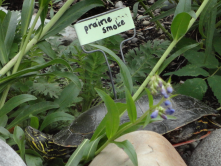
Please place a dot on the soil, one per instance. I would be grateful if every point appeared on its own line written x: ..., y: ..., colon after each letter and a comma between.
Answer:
x: 148, y: 32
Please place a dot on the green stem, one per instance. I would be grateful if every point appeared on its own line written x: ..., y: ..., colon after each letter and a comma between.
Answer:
x: 157, y: 22
x: 4, y: 96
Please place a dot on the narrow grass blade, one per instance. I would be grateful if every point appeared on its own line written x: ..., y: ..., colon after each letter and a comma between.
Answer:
x: 131, y: 107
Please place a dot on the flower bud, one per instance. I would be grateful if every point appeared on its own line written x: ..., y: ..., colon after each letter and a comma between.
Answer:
x: 163, y: 116
x: 154, y: 114
x: 169, y: 88
x: 164, y: 93
x: 167, y: 103
x: 170, y: 111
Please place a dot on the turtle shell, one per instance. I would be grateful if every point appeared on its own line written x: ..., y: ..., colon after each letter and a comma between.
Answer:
x: 188, y: 109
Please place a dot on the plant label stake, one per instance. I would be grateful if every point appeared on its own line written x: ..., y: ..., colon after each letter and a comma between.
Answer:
x: 102, y: 26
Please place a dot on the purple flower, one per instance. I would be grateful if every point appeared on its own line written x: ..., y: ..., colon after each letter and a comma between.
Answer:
x: 154, y: 114
x: 160, y: 83
x: 163, y: 116
x: 164, y: 93
x: 167, y: 103
x: 170, y: 111
x: 169, y: 89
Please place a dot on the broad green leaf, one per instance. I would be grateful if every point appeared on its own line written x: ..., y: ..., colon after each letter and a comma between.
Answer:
x: 68, y: 96
x: 72, y: 14
x: 34, y: 110
x: 9, y: 26
x: 131, y: 107
x: 36, y: 68
x: 78, y: 154
x: 26, y: 15
x: 211, y: 26
x: 179, y: 25
x: 46, y: 48
x: 54, y: 117
x: 197, y: 58
x: 68, y: 75
x: 175, y: 55
x: 129, y: 149
x: 14, y: 102
x: 90, y: 149
x: 214, y: 83
x: 183, y: 6
x: 19, y: 137
x: 3, y: 120
x: 2, y: 15
x: 4, y: 133
x: 127, y: 79
x: 189, y: 70
x: 217, y: 43
x: 34, y: 122
x: 195, y: 87
x: 135, y: 8
x: 32, y: 160
x: 112, y: 117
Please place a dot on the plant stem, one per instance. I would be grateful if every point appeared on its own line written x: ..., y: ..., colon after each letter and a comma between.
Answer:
x: 4, y: 96
x: 157, y: 22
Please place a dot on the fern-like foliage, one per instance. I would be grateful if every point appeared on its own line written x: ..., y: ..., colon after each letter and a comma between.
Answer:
x: 140, y: 61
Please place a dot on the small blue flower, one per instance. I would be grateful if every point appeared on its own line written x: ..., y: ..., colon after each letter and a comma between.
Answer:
x: 160, y: 83
x: 163, y: 116
x: 169, y: 89
x: 170, y: 111
x: 167, y: 103
x: 154, y: 114
x: 164, y: 93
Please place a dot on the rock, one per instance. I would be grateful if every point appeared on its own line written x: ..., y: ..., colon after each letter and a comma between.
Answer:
x: 151, y: 1
x: 140, y: 17
x: 157, y: 10
x: 146, y: 22
x: 8, y: 156
x: 152, y: 150
x: 134, y: 40
x: 119, y: 4
x: 124, y: 36
x: 167, y: 5
x: 208, y: 151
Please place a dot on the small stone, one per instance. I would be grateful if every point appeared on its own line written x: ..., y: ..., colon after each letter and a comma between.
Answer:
x: 151, y: 1
x: 124, y: 36
x: 139, y: 17
x: 119, y: 4
x: 134, y: 40
x: 146, y: 22
x: 130, y: 32
x: 160, y: 31
x: 157, y: 10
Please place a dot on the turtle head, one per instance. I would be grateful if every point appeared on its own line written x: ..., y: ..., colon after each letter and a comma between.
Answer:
x: 37, y: 140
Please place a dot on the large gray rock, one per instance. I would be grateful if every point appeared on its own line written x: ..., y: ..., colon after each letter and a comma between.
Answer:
x: 208, y: 152
x: 8, y: 156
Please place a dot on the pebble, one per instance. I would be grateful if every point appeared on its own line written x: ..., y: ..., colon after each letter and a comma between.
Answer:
x: 139, y: 17
x: 160, y: 31
x: 134, y: 40
x: 167, y: 5
x: 130, y: 32
x: 124, y: 36
x: 151, y: 1
x: 157, y: 10
x: 146, y: 22
x: 119, y: 4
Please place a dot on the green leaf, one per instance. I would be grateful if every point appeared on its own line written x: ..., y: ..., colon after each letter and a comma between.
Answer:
x: 3, y: 52
x: 9, y: 26
x: 175, y: 55
x: 19, y: 137
x: 217, y: 43
x: 112, y: 116
x: 3, y: 120
x: 2, y: 15
x: 214, y: 83
x: 129, y: 149
x: 131, y: 107
x: 34, y: 110
x: 36, y: 68
x: 32, y: 160
x: 72, y: 14
x: 189, y: 70
x: 135, y: 8
x: 14, y: 102
x: 165, y: 14
x: 4, y: 133
x: 150, y: 97
x: 183, y: 6
x: 68, y: 96
x: 179, y: 25
x: 90, y: 149
x: 195, y: 87
x: 197, y: 58
x: 157, y: 4
x: 34, y: 122
x: 46, y: 48
x: 26, y: 15
x: 123, y: 68
x: 78, y: 154
x: 54, y: 117
x: 68, y: 75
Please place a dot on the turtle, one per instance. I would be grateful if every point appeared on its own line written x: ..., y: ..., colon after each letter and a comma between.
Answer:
x: 193, y: 118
